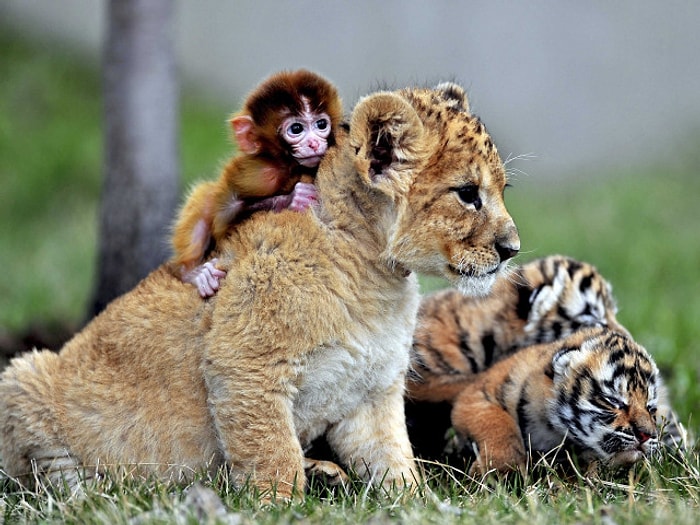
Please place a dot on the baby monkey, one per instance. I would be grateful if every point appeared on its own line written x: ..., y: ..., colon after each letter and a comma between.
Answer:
x: 284, y: 129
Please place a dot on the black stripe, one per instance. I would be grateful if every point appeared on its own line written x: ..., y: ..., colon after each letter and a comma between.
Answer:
x: 549, y: 370
x: 523, y: 307
x: 467, y: 353
x: 503, y: 391
x: 574, y: 266
x: 489, y: 344
x: 617, y: 355
x: 523, y: 420
x: 440, y: 362
x: 585, y: 282
x: 561, y: 312
x: 556, y: 329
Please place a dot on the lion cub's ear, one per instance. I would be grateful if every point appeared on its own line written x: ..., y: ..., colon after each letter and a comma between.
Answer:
x: 388, y: 138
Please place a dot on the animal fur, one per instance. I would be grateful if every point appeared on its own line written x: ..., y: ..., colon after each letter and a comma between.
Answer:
x: 309, y: 333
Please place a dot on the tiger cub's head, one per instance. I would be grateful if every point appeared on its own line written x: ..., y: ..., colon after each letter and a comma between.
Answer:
x: 605, y: 396
x: 558, y: 295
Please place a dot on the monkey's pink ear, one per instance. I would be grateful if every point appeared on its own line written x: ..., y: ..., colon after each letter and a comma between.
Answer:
x: 244, y: 131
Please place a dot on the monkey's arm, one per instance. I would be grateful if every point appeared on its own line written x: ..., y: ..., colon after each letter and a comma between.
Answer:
x: 244, y: 179
x: 303, y: 196
x: 250, y: 177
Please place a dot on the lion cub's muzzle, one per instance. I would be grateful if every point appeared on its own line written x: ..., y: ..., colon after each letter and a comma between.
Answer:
x: 506, y: 251
x: 507, y: 245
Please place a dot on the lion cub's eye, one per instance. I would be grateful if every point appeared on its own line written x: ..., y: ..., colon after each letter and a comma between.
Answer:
x: 469, y: 194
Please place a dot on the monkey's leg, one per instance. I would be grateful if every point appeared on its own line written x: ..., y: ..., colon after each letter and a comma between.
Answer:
x: 373, y: 440
x: 193, y: 228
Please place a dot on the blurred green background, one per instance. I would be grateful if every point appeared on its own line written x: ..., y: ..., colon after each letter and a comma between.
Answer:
x: 640, y: 228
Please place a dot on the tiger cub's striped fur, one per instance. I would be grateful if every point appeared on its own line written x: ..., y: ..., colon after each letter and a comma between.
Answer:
x: 458, y: 336
x: 596, y: 391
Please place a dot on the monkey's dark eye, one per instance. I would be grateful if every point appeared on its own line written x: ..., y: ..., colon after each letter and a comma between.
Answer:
x: 322, y: 123
x: 469, y: 194
x: 296, y: 128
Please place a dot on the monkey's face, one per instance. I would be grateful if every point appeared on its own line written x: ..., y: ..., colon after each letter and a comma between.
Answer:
x: 307, y: 136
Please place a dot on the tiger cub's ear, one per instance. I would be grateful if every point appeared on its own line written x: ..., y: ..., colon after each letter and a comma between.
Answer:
x: 547, y: 296
x: 388, y: 138
x: 565, y: 359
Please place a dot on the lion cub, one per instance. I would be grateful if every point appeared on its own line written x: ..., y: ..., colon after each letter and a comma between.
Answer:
x: 308, y: 335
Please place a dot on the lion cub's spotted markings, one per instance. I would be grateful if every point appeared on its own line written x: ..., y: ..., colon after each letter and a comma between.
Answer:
x: 458, y: 337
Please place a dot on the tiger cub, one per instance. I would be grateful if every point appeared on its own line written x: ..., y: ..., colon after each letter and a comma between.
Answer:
x: 458, y: 337
x: 596, y: 391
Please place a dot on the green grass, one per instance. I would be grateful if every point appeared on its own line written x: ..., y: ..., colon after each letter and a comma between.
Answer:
x: 49, y: 151
x: 652, y: 491
x: 638, y: 228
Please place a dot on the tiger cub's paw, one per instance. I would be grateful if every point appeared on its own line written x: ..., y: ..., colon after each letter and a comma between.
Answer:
x: 329, y: 472
x: 510, y: 457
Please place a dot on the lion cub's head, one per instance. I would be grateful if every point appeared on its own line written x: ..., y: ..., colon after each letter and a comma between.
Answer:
x: 424, y: 149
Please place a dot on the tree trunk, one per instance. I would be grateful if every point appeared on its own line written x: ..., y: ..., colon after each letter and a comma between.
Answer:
x: 140, y: 189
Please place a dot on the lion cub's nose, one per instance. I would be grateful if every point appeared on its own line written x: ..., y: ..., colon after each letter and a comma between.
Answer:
x: 506, y: 251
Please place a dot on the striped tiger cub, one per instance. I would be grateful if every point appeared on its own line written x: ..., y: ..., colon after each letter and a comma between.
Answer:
x: 595, y: 391
x: 458, y: 337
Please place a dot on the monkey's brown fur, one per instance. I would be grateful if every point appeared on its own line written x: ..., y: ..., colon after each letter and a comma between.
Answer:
x: 263, y: 166
x: 309, y: 333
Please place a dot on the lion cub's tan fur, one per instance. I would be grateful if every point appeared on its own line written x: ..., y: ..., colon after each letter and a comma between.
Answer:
x: 309, y: 333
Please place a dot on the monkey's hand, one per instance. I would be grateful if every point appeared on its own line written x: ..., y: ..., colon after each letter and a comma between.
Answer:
x: 205, y: 277
x: 303, y: 196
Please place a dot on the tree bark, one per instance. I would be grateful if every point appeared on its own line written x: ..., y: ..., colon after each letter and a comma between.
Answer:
x: 140, y: 188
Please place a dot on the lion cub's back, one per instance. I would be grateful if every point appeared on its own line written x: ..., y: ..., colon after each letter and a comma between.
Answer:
x: 109, y: 392
x: 288, y: 266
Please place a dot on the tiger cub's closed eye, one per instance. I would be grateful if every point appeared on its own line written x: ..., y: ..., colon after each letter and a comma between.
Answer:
x: 617, y: 404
